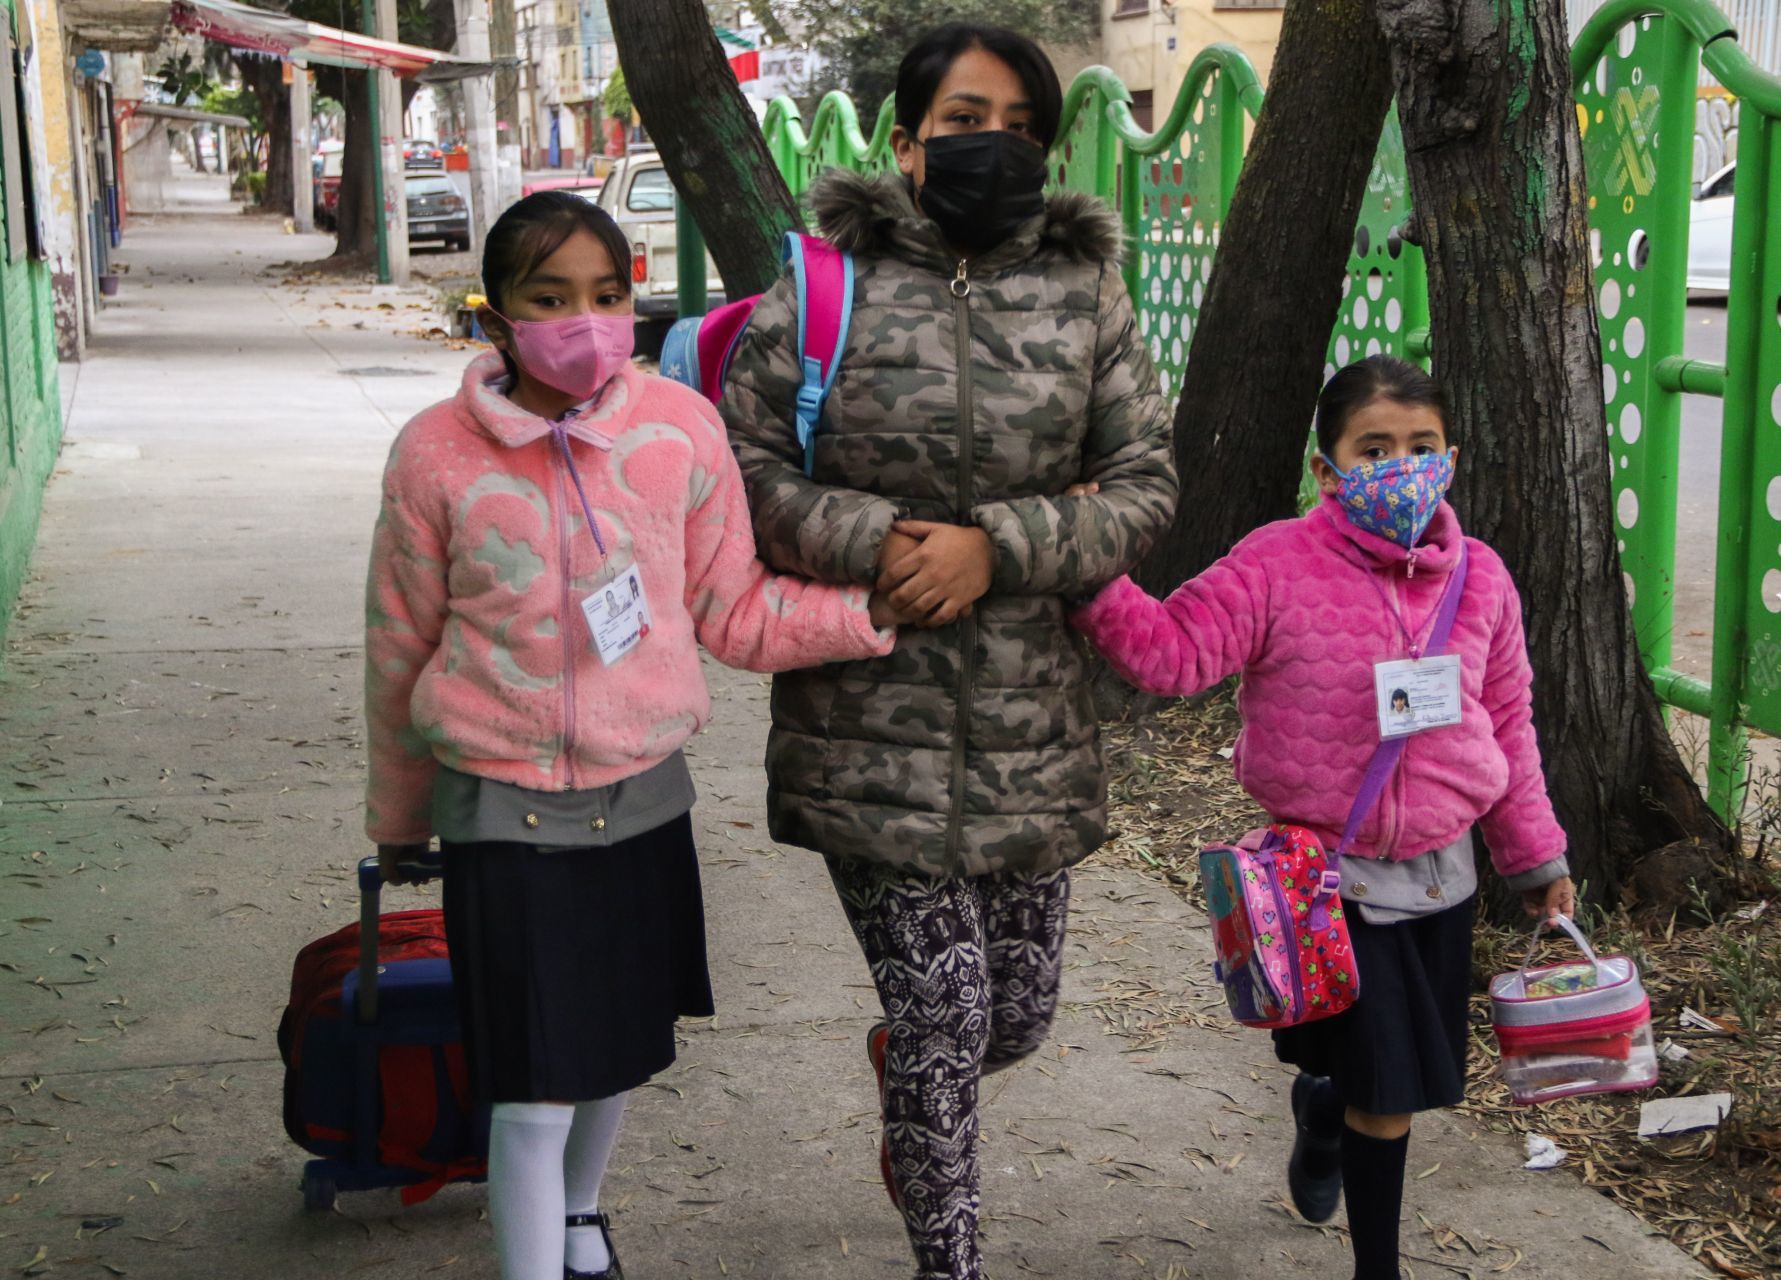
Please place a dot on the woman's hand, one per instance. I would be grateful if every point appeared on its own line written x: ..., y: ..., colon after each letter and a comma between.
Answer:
x: 1085, y: 490
x: 885, y: 614
x: 944, y: 575
x: 1558, y: 898
x: 391, y: 856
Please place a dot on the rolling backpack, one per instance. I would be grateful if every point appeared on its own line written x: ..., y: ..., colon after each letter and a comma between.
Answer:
x: 698, y: 349
x: 376, y: 1084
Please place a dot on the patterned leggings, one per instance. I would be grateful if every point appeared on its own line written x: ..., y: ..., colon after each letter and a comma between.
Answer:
x: 967, y: 970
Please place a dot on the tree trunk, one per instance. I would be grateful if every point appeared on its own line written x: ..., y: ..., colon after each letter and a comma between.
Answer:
x: 1256, y: 362
x: 265, y: 78
x: 356, y: 234
x: 1496, y: 171
x: 710, y: 142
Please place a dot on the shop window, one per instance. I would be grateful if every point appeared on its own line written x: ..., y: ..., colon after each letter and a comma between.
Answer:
x: 1248, y: 4
x: 15, y: 166
x: 1130, y: 8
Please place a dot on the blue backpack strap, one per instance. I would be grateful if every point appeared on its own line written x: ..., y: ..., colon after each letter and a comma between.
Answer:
x: 827, y: 299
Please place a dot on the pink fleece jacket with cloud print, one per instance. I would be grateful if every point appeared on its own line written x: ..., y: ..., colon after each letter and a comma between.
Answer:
x: 1304, y: 609
x: 478, y: 655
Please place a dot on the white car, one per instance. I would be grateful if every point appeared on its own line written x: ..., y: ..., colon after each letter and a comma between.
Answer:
x: 1710, y: 234
x: 639, y: 196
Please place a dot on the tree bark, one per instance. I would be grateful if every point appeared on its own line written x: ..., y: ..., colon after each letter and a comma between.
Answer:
x: 1496, y: 171
x: 710, y: 142
x: 265, y: 78
x: 356, y: 234
x: 1256, y: 362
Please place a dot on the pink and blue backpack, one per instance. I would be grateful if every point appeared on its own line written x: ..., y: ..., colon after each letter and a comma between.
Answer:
x: 698, y: 349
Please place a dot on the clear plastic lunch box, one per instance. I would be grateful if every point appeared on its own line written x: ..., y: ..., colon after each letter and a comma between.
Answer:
x: 1573, y: 1028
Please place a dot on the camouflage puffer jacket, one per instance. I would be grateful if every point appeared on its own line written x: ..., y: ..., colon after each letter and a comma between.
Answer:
x: 972, y: 392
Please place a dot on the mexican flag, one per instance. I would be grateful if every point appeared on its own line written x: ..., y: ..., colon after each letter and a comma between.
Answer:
x: 746, y: 61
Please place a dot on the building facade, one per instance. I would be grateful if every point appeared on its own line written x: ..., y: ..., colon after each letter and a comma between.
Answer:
x: 34, y: 190
x: 1149, y: 44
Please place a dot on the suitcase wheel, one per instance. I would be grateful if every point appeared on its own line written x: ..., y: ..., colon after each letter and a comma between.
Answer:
x: 318, y: 1193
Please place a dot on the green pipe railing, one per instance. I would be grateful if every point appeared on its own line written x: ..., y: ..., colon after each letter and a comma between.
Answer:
x: 1635, y: 68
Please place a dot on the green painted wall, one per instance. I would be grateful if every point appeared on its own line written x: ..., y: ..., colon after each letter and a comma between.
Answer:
x: 32, y: 429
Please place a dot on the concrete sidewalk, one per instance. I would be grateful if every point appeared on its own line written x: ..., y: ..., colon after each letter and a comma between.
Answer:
x: 180, y: 777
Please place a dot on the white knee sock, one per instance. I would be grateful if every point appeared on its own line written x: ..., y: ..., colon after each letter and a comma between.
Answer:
x: 591, y: 1140
x: 526, y: 1141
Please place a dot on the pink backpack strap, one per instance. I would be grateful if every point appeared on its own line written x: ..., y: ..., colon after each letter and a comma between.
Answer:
x: 824, y: 278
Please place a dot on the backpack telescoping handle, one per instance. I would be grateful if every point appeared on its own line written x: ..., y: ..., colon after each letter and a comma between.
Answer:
x: 418, y: 871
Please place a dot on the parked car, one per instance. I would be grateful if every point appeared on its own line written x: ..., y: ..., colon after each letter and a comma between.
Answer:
x: 1710, y: 233
x: 436, y: 211
x: 329, y: 157
x: 420, y: 153
x: 583, y: 186
x: 642, y: 200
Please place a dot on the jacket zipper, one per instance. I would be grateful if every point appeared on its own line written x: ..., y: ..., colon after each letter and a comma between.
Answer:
x: 961, y: 295
x: 566, y: 625
x: 1391, y: 804
x: 1289, y: 929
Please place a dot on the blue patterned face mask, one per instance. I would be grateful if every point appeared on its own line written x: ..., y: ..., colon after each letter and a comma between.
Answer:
x: 1396, y: 498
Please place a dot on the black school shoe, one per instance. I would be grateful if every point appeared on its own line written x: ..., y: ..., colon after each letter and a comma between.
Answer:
x: 613, y: 1270
x: 1314, y: 1173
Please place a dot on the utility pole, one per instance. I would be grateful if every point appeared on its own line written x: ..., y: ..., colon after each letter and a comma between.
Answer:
x: 502, y: 45
x: 391, y: 190
x: 302, y: 174
x: 479, y: 119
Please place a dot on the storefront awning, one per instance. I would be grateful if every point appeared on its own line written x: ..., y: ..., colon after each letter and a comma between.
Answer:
x: 190, y: 115
x: 118, y: 26
x: 242, y: 26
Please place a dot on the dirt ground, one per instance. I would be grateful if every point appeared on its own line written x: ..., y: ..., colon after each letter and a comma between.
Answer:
x: 1716, y: 1193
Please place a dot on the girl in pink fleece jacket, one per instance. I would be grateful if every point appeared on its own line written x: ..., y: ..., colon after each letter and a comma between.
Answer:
x: 1304, y: 610
x: 555, y: 544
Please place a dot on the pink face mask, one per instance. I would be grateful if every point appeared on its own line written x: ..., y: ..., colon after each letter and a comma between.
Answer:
x: 576, y: 355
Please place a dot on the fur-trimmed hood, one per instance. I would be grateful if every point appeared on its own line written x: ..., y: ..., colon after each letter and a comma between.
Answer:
x: 877, y: 215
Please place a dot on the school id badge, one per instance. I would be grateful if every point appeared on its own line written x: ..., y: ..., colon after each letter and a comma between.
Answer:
x: 1417, y: 694
x: 617, y: 615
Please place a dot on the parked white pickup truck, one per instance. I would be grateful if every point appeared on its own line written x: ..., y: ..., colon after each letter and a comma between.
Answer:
x: 640, y: 198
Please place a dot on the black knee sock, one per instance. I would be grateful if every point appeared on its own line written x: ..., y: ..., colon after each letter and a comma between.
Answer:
x: 1373, y: 1184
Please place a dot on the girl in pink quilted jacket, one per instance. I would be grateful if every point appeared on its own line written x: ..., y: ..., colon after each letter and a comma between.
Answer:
x: 555, y: 544
x: 1307, y: 610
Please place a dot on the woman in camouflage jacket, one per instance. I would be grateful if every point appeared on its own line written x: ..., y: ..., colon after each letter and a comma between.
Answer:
x: 996, y: 443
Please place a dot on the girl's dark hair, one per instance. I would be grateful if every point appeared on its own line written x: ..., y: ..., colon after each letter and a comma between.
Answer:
x: 932, y: 56
x: 1378, y: 377
x: 534, y: 228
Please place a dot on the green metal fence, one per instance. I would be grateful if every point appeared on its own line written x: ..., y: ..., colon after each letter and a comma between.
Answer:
x: 1635, y: 68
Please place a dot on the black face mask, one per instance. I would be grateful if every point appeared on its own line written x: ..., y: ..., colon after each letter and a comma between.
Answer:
x: 981, y: 187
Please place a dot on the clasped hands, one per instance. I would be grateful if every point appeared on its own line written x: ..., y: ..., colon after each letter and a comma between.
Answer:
x: 932, y: 574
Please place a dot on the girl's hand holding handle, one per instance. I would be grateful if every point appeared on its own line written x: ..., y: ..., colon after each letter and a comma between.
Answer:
x: 390, y: 858
x: 1558, y: 898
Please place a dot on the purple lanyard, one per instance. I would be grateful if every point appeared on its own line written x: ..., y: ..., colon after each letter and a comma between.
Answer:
x: 1385, y: 758
x: 560, y: 434
x: 1397, y: 615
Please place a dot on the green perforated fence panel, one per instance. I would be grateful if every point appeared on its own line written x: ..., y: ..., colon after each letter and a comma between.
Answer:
x: 1636, y: 65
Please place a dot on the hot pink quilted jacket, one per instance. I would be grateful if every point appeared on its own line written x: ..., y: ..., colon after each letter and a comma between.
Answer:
x: 1300, y: 608
x: 477, y: 652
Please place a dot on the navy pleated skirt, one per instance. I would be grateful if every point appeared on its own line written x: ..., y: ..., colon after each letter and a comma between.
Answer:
x: 1401, y: 1047
x: 571, y: 966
